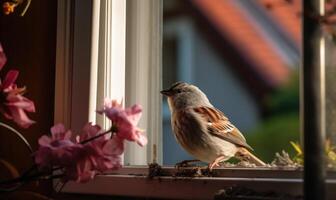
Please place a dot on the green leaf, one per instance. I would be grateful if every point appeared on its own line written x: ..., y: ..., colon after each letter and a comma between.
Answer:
x: 297, y: 147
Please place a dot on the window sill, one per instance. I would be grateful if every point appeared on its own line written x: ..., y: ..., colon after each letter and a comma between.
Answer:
x: 133, y: 181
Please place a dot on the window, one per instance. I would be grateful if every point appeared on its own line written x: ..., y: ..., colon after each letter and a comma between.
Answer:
x: 259, y: 92
x: 129, y: 39
x: 91, y: 60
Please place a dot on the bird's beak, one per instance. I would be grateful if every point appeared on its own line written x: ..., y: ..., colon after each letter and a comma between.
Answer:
x: 167, y: 92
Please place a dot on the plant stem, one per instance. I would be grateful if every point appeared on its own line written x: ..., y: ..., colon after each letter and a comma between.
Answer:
x: 17, y: 133
x: 27, y: 176
x: 26, y: 8
x: 95, y: 137
x: 27, y: 172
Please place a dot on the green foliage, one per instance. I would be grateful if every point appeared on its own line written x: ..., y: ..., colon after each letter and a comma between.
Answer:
x: 281, y: 128
x: 282, y: 124
x: 329, y: 150
x: 287, y: 98
x: 274, y: 135
x: 298, y: 158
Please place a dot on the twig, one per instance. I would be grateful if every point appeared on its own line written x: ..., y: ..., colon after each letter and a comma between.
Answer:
x: 95, y: 137
x: 26, y: 8
x: 18, y: 134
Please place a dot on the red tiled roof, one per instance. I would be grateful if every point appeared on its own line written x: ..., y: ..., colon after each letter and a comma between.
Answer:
x: 233, y: 24
x: 287, y: 15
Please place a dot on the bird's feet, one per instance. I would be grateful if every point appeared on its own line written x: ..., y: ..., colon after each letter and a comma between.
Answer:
x: 185, y: 163
x: 216, y: 162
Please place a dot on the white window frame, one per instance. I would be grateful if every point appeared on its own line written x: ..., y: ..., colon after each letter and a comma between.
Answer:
x: 79, y: 59
x: 143, y: 72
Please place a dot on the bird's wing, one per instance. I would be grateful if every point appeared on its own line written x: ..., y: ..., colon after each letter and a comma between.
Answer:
x: 220, y: 126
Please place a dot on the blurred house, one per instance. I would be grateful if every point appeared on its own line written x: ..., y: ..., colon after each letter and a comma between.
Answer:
x: 237, y: 52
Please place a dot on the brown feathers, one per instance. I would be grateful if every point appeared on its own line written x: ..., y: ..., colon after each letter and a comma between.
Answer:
x: 221, y: 127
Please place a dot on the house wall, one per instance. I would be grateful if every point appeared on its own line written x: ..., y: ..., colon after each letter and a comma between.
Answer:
x: 215, y: 77
x: 223, y: 88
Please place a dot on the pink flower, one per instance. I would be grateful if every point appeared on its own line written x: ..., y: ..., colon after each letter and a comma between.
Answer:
x: 84, y: 171
x: 58, y: 149
x: 80, y: 171
x: 12, y: 104
x: 10, y: 79
x: 81, y: 159
x: 109, y: 154
x: 97, y: 155
x: 125, y: 121
x: 103, y: 152
x: 3, y: 58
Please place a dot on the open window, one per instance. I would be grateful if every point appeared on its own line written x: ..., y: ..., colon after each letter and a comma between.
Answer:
x: 118, y: 46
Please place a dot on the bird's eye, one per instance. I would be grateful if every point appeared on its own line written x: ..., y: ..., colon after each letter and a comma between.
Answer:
x: 178, y: 91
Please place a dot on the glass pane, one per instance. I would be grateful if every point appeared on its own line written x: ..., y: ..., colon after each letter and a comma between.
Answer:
x: 244, y: 55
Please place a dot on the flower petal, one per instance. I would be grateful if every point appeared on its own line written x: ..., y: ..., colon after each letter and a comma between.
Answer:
x: 58, y: 128
x: 134, y: 114
x: 142, y: 140
x: 10, y: 78
x: 44, y: 140
x: 20, y: 117
x: 20, y: 102
x: 3, y: 58
x: 114, y: 146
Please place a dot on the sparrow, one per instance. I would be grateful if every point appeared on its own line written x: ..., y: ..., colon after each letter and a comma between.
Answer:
x: 204, y: 131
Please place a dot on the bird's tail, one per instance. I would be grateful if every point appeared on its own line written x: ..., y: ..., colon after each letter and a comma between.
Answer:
x: 244, y: 154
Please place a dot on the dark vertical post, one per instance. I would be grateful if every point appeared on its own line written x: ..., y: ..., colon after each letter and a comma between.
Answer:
x: 314, y: 171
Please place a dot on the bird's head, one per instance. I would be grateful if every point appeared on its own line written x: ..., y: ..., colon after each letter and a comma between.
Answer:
x: 182, y: 95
